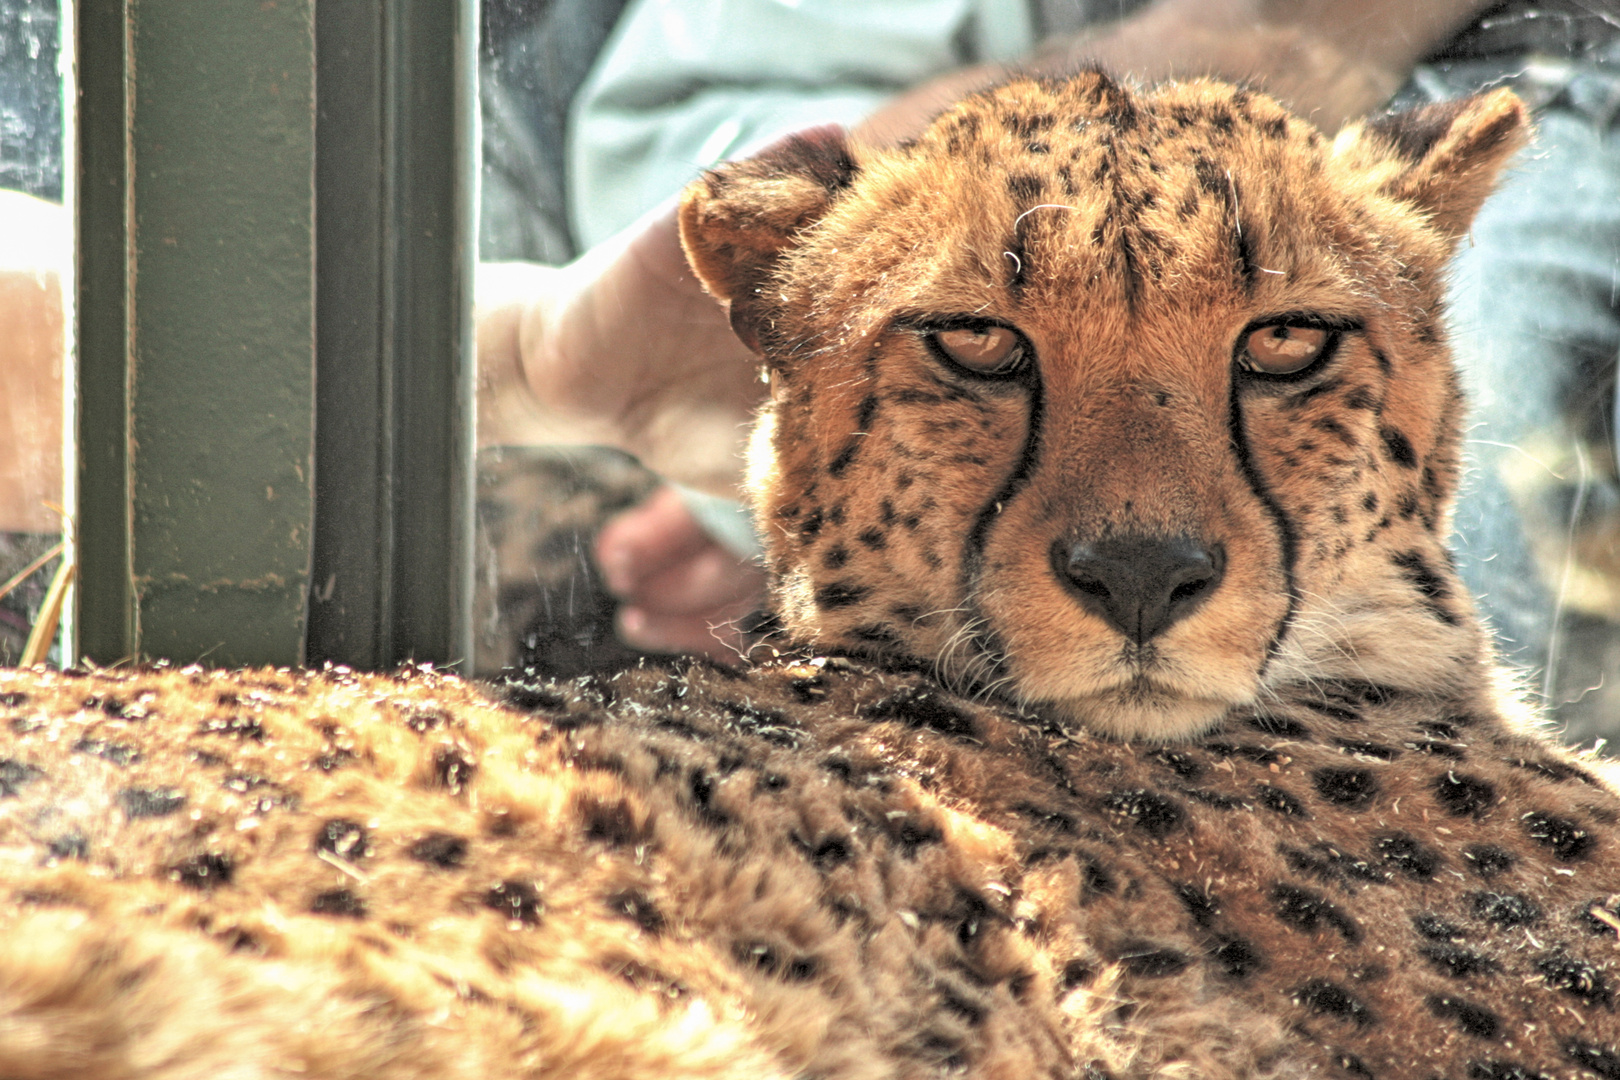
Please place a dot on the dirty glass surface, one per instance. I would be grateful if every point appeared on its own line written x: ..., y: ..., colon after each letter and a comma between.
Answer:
x: 35, y: 253
x: 1536, y: 310
x: 539, y: 601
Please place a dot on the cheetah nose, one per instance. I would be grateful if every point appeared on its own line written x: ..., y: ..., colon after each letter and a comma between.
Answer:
x: 1140, y: 584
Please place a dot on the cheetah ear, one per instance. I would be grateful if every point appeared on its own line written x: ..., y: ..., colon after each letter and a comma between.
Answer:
x: 1442, y: 158
x: 738, y: 221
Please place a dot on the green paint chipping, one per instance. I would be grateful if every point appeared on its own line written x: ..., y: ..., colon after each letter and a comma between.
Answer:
x: 221, y: 337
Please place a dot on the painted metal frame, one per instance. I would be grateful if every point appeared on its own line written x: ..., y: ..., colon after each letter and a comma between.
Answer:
x: 275, y: 371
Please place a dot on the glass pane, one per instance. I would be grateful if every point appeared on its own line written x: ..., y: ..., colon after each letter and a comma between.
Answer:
x: 36, y: 251
x: 540, y: 601
x: 1534, y: 321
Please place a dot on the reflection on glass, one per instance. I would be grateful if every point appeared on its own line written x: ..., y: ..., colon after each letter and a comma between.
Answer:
x: 36, y: 250
x: 595, y: 110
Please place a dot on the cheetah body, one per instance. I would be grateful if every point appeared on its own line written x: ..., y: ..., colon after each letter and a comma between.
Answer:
x: 974, y: 821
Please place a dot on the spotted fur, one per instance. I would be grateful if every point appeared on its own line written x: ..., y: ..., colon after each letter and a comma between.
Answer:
x: 1362, y: 867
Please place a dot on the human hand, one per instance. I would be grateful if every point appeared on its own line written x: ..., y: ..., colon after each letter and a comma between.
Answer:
x: 1327, y: 60
x: 681, y: 590
x: 620, y: 348
x: 623, y: 348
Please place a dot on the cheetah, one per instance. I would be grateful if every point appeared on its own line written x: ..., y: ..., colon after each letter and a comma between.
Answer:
x: 1128, y: 719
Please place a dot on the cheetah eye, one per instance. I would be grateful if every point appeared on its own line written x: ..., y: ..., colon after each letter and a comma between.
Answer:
x: 1286, y: 348
x: 988, y: 350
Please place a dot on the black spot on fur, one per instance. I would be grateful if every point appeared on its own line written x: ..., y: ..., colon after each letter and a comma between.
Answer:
x: 1077, y: 973
x: 69, y: 846
x: 14, y: 776
x: 1327, y: 863
x: 1503, y: 1070
x: 1353, y: 789
x: 1462, y: 795
x: 1155, y: 814
x: 1440, y: 749
x: 444, y: 850
x: 1487, y: 860
x: 1368, y: 749
x: 1275, y: 798
x: 1150, y: 961
x: 1046, y: 817
x: 700, y: 786
x: 150, y: 802
x: 832, y: 851
x: 840, y: 594
x: 1605, y: 1063
x: 771, y: 725
x: 638, y: 907
x: 1324, y: 998
x: 865, y: 413
x: 1429, y: 584
x: 911, y: 834
x: 1183, y: 765
x: 1200, y: 904
x: 121, y: 754
x: 1435, y: 928
x: 1566, y: 839
x: 532, y: 697
x: 1505, y: 909
x: 1398, y: 448
x: 874, y: 538
x: 768, y: 959
x: 345, y: 839
x: 516, y: 901
x: 1333, y: 712
x: 1308, y: 911
x: 845, y: 458
x: 203, y: 871
x: 917, y: 707
x: 1025, y: 188
x: 1456, y: 962
x: 1407, y: 855
x: 1281, y: 726
x: 1556, y: 771
x: 1235, y: 957
x: 452, y: 770
x: 340, y: 903
x: 1095, y: 880
x: 1475, y: 1020
x: 1577, y: 977
x: 240, y: 727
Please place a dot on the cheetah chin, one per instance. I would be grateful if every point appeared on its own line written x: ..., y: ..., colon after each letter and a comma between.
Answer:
x: 1151, y: 419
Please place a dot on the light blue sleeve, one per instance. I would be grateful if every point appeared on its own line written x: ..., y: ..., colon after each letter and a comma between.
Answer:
x: 683, y: 84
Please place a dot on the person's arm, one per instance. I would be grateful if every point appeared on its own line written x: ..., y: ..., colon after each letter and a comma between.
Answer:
x: 1327, y: 60
x: 685, y: 84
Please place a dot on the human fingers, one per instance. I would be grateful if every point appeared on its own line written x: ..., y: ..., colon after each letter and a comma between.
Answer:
x: 658, y: 558
x: 647, y: 539
x: 713, y: 634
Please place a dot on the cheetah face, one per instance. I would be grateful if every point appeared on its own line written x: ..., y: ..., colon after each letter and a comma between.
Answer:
x: 1128, y: 408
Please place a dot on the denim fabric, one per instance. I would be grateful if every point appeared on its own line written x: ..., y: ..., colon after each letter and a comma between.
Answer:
x: 1535, y: 319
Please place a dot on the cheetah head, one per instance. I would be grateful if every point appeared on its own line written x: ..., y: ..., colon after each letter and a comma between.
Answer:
x: 1128, y: 407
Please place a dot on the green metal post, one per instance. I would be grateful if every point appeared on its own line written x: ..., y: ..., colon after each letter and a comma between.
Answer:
x: 275, y: 367
x: 196, y: 361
